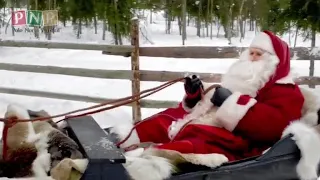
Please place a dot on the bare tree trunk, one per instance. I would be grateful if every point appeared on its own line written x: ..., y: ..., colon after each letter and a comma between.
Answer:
x: 289, y: 33
x: 117, y: 35
x: 313, y: 45
x: 150, y: 16
x: 4, y: 15
x: 198, y: 27
x: 169, y: 23
x: 251, y: 24
x: 229, y: 25
x: 12, y: 10
x: 219, y: 26
x: 245, y: 28
x: 104, y: 30
x: 240, y: 21
x: 199, y: 19
x: 49, y: 28
x: 184, y: 21
x: 188, y: 19
x: 79, y: 29
x: 120, y: 39
x: 95, y: 24
x: 211, y: 23
x: 296, y: 37
x: 180, y: 25
x: 207, y: 18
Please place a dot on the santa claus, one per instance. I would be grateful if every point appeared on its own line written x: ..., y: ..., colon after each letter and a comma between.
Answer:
x: 245, y: 115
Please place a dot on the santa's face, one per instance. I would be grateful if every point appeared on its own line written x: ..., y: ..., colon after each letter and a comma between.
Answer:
x: 251, y: 72
x: 255, y: 54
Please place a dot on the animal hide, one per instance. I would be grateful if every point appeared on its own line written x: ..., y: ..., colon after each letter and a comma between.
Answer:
x: 27, y: 156
x: 69, y: 169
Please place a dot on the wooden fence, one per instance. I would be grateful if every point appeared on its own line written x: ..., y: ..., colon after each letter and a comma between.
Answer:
x: 135, y: 74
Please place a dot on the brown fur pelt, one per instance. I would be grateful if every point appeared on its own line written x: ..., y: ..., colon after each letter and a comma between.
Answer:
x: 60, y: 145
x: 42, y: 113
x: 21, y: 153
x: 19, y: 163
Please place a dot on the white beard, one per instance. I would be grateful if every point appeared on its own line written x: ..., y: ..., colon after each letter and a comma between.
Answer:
x: 248, y: 77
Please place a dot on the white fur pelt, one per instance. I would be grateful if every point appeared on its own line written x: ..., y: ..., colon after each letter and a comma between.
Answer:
x: 148, y: 167
x: 23, y: 136
x: 310, y: 107
x: 307, y: 139
x: 161, y: 163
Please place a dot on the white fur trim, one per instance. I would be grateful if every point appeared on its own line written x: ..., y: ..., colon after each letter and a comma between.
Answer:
x: 210, y: 160
x: 308, y: 141
x: 266, y: 150
x: 203, y: 113
x: 148, y: 167
x: 286, y: 80
x: 230, y: 113
x: 81, y: 164
x: 123, y: 131
x: 134, y: 153
x: 42, y: 164
x: 310, y: 107
x: 263, y: 41
x: 176, y: 126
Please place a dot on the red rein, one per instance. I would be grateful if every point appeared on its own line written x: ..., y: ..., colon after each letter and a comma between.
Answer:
x: 7, y: 124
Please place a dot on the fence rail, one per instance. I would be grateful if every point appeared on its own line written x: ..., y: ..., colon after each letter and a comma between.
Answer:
x: 67, y: 45
x: 81, y: 98
x: 135, y: 75
x: 223, y: 52
x: 145, y: 75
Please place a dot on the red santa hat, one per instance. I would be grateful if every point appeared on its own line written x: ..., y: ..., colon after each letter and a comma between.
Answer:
x: 278, y: 49
x: 263, y: 41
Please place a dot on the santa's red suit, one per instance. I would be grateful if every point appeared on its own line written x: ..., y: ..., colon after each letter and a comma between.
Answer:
x: 264, y: 101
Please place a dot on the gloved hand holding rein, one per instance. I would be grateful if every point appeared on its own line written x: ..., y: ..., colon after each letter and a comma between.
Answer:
x: 193, y: 88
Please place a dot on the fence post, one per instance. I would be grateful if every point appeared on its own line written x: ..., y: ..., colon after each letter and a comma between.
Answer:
x: 136, y: 108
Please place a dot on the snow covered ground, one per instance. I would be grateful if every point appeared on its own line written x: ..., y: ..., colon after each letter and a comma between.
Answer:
x: 95, y: 60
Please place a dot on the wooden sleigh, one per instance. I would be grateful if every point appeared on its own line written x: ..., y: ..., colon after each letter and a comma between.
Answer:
x: 105, y: 159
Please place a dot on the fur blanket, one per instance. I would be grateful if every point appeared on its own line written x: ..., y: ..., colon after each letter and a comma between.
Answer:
x: 37, y: 149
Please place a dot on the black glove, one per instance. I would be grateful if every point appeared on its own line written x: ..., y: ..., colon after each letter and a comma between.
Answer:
x: 193, y: 85
x: 220, y: 95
